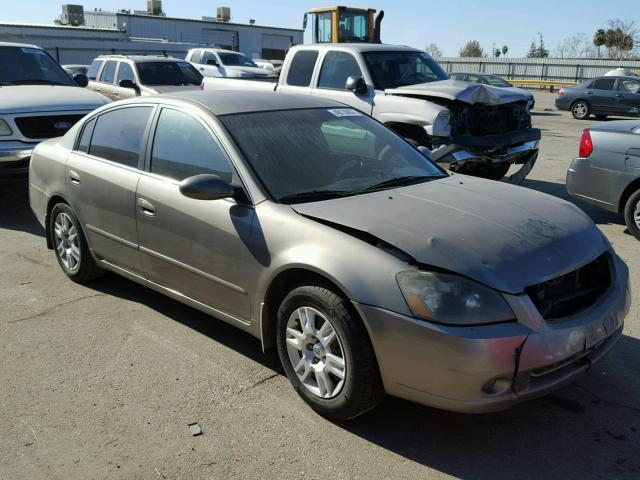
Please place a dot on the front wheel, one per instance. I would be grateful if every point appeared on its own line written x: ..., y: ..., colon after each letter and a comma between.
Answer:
x: 580, y: 110
x: 632, y: 214
x: 326, y: 353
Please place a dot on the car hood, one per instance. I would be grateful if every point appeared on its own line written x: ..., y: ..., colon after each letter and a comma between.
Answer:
x: 503, y: 236
x: 471, y: 93
x: 171, y: 88
x: 48, y: 98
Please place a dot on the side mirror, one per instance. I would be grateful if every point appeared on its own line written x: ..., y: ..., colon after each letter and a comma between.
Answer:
x: 206, y: 187
x: 81, y: 79
x: 213, y: 62
x: 357, y: 85
x: 425, y: 151
x: 127, y: 84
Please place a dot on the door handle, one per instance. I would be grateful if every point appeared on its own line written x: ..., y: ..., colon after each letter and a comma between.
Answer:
x: 74, y: 177
x: 589, y: 93
x: 146, y: 207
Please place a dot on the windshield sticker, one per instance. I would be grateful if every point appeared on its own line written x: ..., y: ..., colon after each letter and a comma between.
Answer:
x: 34, y: 51
x: 345, y: 112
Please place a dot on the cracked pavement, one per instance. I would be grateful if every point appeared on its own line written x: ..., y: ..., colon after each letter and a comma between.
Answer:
x: 102, y: 382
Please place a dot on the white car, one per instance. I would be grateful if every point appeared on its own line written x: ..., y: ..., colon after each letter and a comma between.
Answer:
x: 38, y: 101
x: 215, y: 62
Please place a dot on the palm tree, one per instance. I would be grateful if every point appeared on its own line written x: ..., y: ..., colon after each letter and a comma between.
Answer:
x: 599, y: 39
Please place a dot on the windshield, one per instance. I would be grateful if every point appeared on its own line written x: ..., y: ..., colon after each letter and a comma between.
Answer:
x: 168, y: 73
x: 236, y: 60
x: 399, y: 69
x: 496, y: 81
x: 306, y: 155
x: 30, y: 66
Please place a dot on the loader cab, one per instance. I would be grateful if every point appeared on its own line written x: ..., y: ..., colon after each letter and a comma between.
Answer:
x: 343, y: 25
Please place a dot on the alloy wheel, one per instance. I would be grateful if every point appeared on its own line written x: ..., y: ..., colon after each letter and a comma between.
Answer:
x: 580, y: 110
x: 315, y: 352
x: 66, y: 242
x: 636, y: 215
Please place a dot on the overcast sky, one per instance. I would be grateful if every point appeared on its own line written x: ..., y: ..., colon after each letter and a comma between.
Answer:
x: 448, y: 23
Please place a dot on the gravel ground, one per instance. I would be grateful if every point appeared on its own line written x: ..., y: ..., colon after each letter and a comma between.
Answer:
x: 102, y: 381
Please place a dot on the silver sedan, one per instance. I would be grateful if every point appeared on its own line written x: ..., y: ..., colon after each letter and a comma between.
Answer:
x: 331, y: 239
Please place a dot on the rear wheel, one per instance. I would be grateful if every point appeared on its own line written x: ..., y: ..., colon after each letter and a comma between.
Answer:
x: 326, y: 353
x: 580, y: 110
x: 632, y: 214
x: 70, y: 246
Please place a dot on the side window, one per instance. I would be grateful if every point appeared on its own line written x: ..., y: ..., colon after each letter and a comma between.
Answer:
x: 92, y: 73
x: 125, y: 72
x: 604, y: 84
x: 109, y: 72
x: 85, y: 138
x: 119, y: 135
x: 301, y: 68
x: 206, y: 56
x: 336, y: 68
x: 629, y: 86
x: 183, y: 147
x: 323, y: 27
x: 473, y: 79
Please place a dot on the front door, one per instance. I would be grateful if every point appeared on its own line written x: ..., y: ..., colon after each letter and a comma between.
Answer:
x: 105, y: 84
x: 194, y: 247
x: 125, y: 72
x: 629, y: 96
x: 337, y: 67
x: 102, y: 177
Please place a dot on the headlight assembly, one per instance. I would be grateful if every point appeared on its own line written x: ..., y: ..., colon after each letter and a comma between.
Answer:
x: 452, y: 300
x: 5, y: 129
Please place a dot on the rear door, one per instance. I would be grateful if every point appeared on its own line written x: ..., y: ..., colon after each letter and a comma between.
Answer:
x: 603, y: 96
x: 299, y: 72
x: 194, y: 247
x: 629, y: 96
x: 102, y: 177
x: 337, y: 67
x: 105, y: 83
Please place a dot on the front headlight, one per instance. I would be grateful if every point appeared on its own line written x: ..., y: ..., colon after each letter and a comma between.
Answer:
x: 453, y: 300
x: 5, y: 129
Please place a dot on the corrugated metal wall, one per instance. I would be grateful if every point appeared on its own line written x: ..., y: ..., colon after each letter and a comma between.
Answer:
x: 536, y: 68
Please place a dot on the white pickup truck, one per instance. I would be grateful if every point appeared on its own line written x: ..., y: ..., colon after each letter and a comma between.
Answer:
x: 38, y: 101
x: 215, y: 62
x: 471, y: 128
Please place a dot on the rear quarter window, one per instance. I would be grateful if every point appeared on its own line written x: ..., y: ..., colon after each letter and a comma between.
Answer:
x: 301, y: 68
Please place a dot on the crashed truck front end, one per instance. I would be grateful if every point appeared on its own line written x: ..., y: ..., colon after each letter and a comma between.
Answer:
x: 480, y: 130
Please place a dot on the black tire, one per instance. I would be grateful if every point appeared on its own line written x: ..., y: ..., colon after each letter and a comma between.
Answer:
x: 601, y: 117
x: 362, y: 387
x: 581, y: 110
x: 84, y: 268
x: 632, y: 214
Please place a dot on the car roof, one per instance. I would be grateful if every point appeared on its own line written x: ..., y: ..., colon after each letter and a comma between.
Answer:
x: 19, y: 45
x: 141, y: 58
x: 241, y: 101
x: 359, y: 47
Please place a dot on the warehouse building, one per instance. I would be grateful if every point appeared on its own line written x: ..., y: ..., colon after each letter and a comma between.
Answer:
x: 78, y: 36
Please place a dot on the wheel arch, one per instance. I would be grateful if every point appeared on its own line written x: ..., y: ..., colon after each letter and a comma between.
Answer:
x: 631, y: 188
x: 53, y: 201
x: 279, y: 286
x: 410, y: 130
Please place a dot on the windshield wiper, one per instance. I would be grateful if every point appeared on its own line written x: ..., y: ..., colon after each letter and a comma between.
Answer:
x: 399, y: 182
x: 314, y: 195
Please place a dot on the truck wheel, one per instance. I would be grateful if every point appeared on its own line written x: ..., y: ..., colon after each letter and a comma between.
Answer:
x: 632, y: 214
x: 580, y: 110
x: 326, y: 353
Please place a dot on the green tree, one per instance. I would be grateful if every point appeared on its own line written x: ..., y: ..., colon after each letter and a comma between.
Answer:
x: 497, y: 53
x: 538, y: 50
x: 505, y: 49
x: 599, y: 39
x: 471, y: 49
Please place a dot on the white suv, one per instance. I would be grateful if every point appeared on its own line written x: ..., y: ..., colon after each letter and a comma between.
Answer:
x: 215, y: 62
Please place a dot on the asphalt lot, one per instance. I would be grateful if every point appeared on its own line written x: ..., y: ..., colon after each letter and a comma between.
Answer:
x: 102, y: 381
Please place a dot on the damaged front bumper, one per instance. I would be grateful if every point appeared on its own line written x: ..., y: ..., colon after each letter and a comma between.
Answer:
x: 492, y: 367
x: 482, y: 156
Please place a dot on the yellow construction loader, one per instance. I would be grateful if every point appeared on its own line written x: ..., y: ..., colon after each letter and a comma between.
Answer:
x: 344, y: 24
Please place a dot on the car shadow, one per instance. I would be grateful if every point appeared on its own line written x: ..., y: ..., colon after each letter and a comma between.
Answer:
x: 15, y: 213
x: 597, y: 214
x: 545, y: 114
